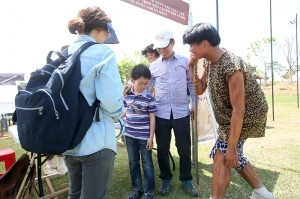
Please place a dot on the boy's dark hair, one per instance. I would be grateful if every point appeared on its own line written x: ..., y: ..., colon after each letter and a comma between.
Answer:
x: 199, y: 32
x: 149, y: 49
x: 140, y: 70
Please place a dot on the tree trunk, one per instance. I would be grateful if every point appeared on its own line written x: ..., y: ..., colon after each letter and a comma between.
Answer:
x: 265, y: 82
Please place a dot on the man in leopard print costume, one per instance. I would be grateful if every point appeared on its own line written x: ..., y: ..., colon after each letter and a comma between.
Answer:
x: 238, y: 103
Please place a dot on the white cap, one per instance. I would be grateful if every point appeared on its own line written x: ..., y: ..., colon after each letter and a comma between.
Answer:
x: 162, y: 38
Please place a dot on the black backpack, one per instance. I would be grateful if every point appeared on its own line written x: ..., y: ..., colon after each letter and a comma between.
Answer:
x: 52, y: 114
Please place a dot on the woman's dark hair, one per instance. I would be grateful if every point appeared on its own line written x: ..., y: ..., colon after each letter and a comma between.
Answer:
x: 140, y: 70
x: 149, y: 49
x: 87, y: 19
x: 199, y: 32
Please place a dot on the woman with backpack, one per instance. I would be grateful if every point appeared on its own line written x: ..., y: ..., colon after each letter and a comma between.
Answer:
x: 90, y: 163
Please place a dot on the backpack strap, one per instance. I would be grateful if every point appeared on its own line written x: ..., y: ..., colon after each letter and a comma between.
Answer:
x: 65, y: 52
x: 61, y: 56
x: 77, y: 53
x: 97, y: 104
x: 84, y: 47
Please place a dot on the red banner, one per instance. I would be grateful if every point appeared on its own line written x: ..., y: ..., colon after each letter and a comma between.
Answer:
x: 176, y: 10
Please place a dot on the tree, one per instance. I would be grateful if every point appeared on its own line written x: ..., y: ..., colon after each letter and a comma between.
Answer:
x: 290, y: 57
x: 287, y: 75
x: 127, y: 62
x: 251, y: 67
x: 261, y: 50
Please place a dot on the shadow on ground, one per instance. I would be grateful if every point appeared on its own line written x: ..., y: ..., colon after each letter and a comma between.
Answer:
x: 238, y: 189
x: 269, y: 127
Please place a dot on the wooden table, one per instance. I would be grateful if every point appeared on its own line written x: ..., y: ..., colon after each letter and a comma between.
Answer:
x: 13, y: 131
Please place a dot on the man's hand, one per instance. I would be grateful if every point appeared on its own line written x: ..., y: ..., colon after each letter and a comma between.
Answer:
x: 232, y: 156
x: 192, y: 110
x: 192, y: 61
x: 126, y: 88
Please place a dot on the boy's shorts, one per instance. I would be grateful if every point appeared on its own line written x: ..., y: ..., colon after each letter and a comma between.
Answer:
x: 223, y: 146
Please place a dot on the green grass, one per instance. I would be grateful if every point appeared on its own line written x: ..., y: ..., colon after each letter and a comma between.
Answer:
x: 276, y: 158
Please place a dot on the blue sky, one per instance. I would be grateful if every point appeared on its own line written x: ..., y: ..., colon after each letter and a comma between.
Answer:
x: 29, y: 29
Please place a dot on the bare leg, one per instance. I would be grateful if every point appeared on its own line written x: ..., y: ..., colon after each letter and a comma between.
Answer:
x: 50, y: 157
x: 50, y: 161
x: 61, y: 167
x: 50, y: 167
x: 250, y: 175
x: 60, y: 160
x: 221, y: 176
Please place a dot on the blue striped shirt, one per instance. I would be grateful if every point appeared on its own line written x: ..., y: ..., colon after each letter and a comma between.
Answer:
x: 138, y: 125
x: 171, y: 79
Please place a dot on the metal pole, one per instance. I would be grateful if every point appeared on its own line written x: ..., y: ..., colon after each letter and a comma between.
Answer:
x: 272, y: 58
x: 190, y: 21
x: 297, y: 62
x: 190, y: 24
x: 194, y: 116
x: 217, y: 14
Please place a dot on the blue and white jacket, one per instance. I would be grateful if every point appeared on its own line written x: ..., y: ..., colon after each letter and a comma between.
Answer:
x: 101, y: 80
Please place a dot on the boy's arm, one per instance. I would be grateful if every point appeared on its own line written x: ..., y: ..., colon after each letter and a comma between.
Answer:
x: 124, y: 113
x: 125, y: 108
x: 149, y: 145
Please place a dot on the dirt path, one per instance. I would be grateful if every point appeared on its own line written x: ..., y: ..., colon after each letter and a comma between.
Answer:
x: 281, y: 89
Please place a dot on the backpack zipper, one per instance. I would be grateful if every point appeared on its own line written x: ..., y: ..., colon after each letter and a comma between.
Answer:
x: 32, y: 109
x: 41, y: 108
x: 55, y: 111
x: 45, y: 71
x: 26, y: 91
x: 51, y: 66
x: 63, y: 83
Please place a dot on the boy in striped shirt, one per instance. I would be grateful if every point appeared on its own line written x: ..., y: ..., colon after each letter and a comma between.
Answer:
x: 139, y: 131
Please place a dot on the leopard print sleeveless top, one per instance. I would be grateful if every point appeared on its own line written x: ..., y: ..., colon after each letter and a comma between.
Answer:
x: 256, y: 106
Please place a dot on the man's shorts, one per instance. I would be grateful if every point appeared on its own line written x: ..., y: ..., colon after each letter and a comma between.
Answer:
x: 223, y: 146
